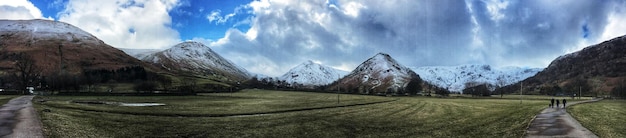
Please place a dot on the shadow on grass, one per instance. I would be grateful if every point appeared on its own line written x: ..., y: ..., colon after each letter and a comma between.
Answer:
x: 218, y: 115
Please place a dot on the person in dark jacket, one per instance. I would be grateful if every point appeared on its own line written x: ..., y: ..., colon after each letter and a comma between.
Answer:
x: 564, y: 101
x: 557, y: 103
x: 552, y: 103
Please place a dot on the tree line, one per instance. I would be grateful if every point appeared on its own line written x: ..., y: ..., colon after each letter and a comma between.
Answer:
x: 415, y: 86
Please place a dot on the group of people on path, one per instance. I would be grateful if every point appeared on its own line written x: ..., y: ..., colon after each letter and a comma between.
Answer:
x: 557, y: 103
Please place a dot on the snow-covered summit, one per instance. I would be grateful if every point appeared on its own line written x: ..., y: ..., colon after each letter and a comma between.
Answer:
x: 47, y: 29
x: 454, y: 78
x: 311, y: 73
x: 384, y: 64
x: 196, y: 57
x: 379, y: 74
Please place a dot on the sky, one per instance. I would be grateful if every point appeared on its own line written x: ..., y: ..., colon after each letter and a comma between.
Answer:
x: 271, y: 36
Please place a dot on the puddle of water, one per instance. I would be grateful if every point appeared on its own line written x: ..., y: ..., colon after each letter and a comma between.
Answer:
x: 118, y: 103
x: 141, y: 104
x: 249, y: 115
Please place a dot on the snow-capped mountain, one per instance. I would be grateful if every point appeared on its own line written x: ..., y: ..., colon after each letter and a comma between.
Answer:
x: 47, y: 29
x: 196, y: 58
x: 57, y: 46
x: 454, y: 78
x: 379, y: 74
x: 310, y: 73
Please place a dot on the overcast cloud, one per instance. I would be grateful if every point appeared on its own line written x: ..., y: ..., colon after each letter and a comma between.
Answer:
x: 344, y: 33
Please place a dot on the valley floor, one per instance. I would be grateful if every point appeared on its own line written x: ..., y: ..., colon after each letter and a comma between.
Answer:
x: 606, y: 118
x: 401, y: 117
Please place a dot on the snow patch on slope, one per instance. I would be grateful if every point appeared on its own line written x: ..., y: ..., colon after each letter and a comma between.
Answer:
x: 454, y: 78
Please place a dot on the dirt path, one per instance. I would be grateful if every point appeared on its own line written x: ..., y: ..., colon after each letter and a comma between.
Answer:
x: 556, y: 122
x: 18, y: 119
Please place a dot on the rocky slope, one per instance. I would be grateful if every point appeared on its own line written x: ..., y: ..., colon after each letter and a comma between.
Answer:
x: 599, y: 67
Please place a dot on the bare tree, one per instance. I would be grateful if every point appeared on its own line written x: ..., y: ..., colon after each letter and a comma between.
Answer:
x: 501, y: 82
x: 26, y: 72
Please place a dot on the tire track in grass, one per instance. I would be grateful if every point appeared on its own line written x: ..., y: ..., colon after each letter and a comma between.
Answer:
x: 397, y: 110
x: 415, y: 110
x: 219, y: 115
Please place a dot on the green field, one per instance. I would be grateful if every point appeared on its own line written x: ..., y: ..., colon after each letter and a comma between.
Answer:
x: 6, y: 98
x: 402, y: 117
x: 606, y: 118
x: 523, y: 97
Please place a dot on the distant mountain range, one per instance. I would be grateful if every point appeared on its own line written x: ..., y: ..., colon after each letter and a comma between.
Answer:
x: 454, y: 78
x: 60, y: 47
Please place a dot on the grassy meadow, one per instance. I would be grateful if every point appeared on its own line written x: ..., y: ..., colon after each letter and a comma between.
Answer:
x: 401, y: 117
x: 6, y: 98
x: 606, y: 118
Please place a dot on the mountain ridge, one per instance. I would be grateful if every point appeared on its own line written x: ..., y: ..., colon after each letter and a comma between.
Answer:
x: 454, y: 78
x: 595, y: 69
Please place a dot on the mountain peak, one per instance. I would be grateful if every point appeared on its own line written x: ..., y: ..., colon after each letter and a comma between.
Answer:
x: 309, y: 62
x: 379, y: 74
x: 310, y: 73
x: 190, y: 44
x: 197, y: 58
x: 382, y: 54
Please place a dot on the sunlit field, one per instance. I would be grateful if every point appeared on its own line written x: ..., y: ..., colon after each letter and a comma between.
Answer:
x: 606, y: 118
x: 191, y: 116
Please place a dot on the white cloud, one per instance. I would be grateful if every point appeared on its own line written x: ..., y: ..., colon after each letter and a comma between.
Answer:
x: 19, y: 10
x: 352, y: 8
x: 216, y: 16
x: 495, y: 8
x: 616, y: 25
x: 125, y: 23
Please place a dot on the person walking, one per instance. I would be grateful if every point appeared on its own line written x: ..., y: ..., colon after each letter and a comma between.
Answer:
x: 557, y: 103
x: 552, y: 103
x: 564, y: 101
